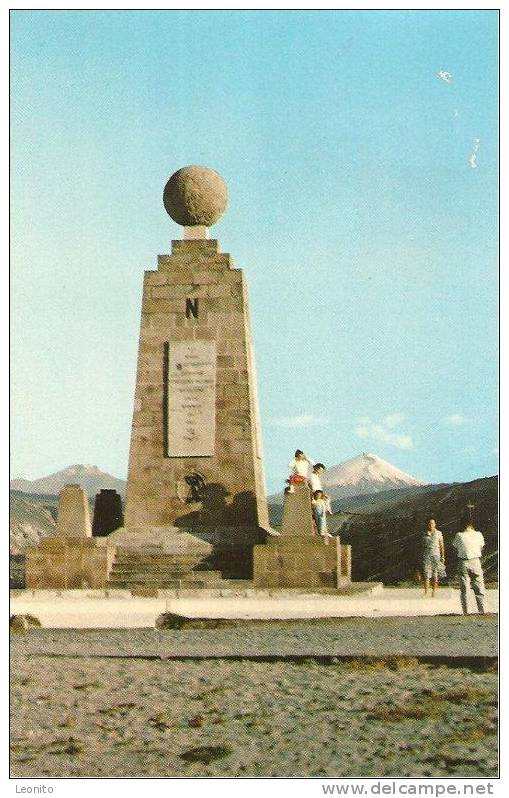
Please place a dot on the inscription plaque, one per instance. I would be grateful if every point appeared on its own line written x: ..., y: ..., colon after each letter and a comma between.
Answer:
x: 191, y: 398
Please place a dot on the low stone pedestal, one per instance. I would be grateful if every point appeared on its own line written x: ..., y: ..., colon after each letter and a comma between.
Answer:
x: 71, y: 559
x: 297, y: 562
x: 108, y: 514
x: 297, y: 513
x: 64, y: 563
x: 299, y: 557
x: 73, y: 514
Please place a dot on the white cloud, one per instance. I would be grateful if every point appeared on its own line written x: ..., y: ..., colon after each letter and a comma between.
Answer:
x: 472, y: 160
x: 455, y: 420
x: 393, y: 420
x: 445, y: 76
x: 382, y: 432
x: 297, y: 422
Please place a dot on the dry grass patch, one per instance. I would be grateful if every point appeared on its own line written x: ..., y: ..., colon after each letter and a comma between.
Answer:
x: 205, y: 753
x: 469, y: 695
x: 472, y: 734
x: 119, y: 710
x: 71, y: 746
x: 162, y: 721
x: 394, y: 663
x: 411, y: 711
x: 87, y: 686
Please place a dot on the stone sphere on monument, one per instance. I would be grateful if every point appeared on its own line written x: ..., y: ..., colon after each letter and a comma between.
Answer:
x: 195, y: 196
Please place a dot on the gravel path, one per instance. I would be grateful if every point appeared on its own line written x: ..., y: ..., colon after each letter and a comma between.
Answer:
x: 101, y: 717
x: 439, y: 636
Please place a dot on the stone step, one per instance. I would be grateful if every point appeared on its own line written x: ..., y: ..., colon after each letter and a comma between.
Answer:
x: 154, y: 555
x: 159, y: 567
x: 152, y: 568
x: 168, y: 573
x: 201, y: 576
x: 176, y: 564
x: 169, y: 558
x: 164, y: 584
x: 162, y: 571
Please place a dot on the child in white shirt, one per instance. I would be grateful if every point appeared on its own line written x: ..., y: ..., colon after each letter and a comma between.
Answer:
x: 320, y: 511
x: 315, y: 483
x: 299, y: 468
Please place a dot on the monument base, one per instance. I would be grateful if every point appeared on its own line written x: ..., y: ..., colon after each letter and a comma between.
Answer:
x: 60, y: 563
x: 177, y: 550
x: 297, y: 562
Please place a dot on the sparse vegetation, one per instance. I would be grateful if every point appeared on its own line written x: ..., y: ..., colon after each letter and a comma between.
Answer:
x: 20, y: 623
x: 205, y: 753
x: 413, y: 710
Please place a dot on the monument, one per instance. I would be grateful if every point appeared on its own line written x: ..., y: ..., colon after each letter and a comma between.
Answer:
x: 195, y: 460
x: 196, y: 509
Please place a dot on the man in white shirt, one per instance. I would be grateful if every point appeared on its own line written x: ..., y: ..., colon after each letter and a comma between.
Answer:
x: 469, y: 545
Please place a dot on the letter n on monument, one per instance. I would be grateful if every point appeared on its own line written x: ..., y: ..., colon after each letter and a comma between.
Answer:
x: 195, y: 457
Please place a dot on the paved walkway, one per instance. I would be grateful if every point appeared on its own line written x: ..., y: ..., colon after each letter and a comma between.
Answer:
x: 86, y: 609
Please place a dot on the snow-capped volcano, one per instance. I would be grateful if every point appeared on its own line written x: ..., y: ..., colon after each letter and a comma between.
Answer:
x: 90, y: 477
x: 369, y: 473
x: 361, y: 475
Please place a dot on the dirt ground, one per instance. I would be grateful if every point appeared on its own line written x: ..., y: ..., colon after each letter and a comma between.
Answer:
x: 99, y: 717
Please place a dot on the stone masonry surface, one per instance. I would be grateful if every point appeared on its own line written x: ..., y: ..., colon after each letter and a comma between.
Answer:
x: 73, y: 513
x: 196, y: 270
x: 59, y: 563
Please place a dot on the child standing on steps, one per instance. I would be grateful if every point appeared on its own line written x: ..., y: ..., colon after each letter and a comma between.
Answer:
x: 315, y: 483
x: 320, y: 510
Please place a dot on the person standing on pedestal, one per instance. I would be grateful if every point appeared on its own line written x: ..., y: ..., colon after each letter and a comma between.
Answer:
x: 315, y: 483
x: 469, y: 545
x: 320, y: 510
x: 299, y: 468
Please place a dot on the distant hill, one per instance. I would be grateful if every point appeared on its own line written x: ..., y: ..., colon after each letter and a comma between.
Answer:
x: 29, y: 522
x: 90, y: 477
x: 387, y: 540
x: 362, y: 475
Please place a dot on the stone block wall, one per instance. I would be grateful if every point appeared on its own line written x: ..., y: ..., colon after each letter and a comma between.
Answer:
x: 346, y: 561
x: 59, y: 563
x: 196, y: 271
x: 297, y: 562
x: 297, y: 512
x: 73, y: 513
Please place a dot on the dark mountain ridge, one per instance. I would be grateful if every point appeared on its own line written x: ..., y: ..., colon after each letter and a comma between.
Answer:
x: 387, y: 542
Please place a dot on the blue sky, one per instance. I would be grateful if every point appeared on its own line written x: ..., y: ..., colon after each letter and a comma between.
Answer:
x: 369, y: 241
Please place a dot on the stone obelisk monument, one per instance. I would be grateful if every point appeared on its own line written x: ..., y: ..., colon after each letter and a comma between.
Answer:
x: 195, y: 458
